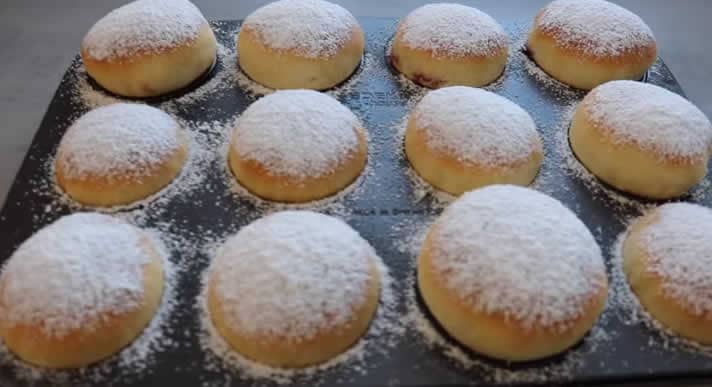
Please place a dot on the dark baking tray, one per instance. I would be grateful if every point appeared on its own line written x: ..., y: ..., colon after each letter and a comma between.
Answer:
x: 386, y: 200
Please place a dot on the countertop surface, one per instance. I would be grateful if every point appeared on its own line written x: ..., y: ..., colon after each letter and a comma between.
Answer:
x: 39, y: 38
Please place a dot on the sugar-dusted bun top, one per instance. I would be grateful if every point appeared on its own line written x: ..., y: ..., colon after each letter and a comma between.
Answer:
x: 650, y: 117
x: 518, y: 253
x: 143, y: 27
x: 452, y: 30
x: 310, y: 28
x: 476, y: 126
x: 75, y: 273
x: 118, y: 141
x: 297, y: 133
x: 678, y: 249
x: 595, y: 27
x: 292, y: 275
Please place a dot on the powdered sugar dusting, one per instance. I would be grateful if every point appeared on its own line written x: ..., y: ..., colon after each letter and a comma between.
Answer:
x: 143, y: 26
x: 118, y: 140
x: 512, y: 250
x: 680, y: 246
x: 313, y: 28
x: 596, y: 27
x: 651, y: 117
x: 297, y: 133
x: 384, y: 332
x: 477, y: 127
x: 284, y: 274
x: 625, y: 303
x: 72, y: 273
x: 452, y: 30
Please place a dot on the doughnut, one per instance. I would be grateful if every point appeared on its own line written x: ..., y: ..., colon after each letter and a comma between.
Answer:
x: 120, y: 153
x: 667, y: 260
x: 149, y: 47
x: 585, y: 43
x: 293, y: 289
x: 512, y: 274
x: 297, y: 146
x: 641, y: 139
x: 300, y: 44
x: 444, y: 44
x: 460, y: 138
x: 79, y: 290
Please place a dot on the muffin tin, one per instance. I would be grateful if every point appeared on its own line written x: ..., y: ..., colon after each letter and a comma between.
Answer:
x: 387, y: 209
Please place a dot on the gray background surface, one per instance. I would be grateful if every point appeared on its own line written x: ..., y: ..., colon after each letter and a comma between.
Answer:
x: 39, y: 38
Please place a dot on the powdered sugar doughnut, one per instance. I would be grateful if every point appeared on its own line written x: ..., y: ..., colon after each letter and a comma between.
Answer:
x: 667, y: 259
x: 297, y: 146
x: 293, y: 289
x: 149, y: 47
x: 585, y: 43
x: 300, y: 44
x: 460, y: 138
x: 512, y: 273
x: 446, y: 44
x: 120, y: 153
x: 79, y: 290
x: 642, y: 139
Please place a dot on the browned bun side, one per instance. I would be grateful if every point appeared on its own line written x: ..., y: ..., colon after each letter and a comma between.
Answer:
x: 290, y: 69
x: 148, y: 74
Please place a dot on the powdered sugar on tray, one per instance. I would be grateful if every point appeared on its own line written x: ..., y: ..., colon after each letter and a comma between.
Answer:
x: 596, y: 27
x: 452, y: 30
x: 143, y: 26
x: 476, y: 127
x: 312, y: 28
x: 650, y: 117
x: 297, y: 133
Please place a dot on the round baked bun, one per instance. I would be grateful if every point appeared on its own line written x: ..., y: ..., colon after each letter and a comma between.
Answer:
x: 120, y: 153
x: 300, y: 44
x: 293, y: 289
x: 667, y: 259
x: 297, y: 146
x: 461, y: 138
x: 585, y: 43
x: 641, y: 139
x: 149, y: 47
x: 447, y: 44
x: 512, y: 274
x: 79, y: 290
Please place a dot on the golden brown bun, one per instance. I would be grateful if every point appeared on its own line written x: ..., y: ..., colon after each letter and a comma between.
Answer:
x: 281, y: 352
x: 434, y: 66
x: 265, y: 184
x: 624, y: 163
x: 290, y: 69
x: 495, y: 335
x: 452, y: 176
x: 113, y: 190
x: 581, y: 65
x: 447, y: 169
x: 103, y: 191
x: 82, y: 347
x: 425, y: 69
x: 148, y: 74
x: 648, y: 285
